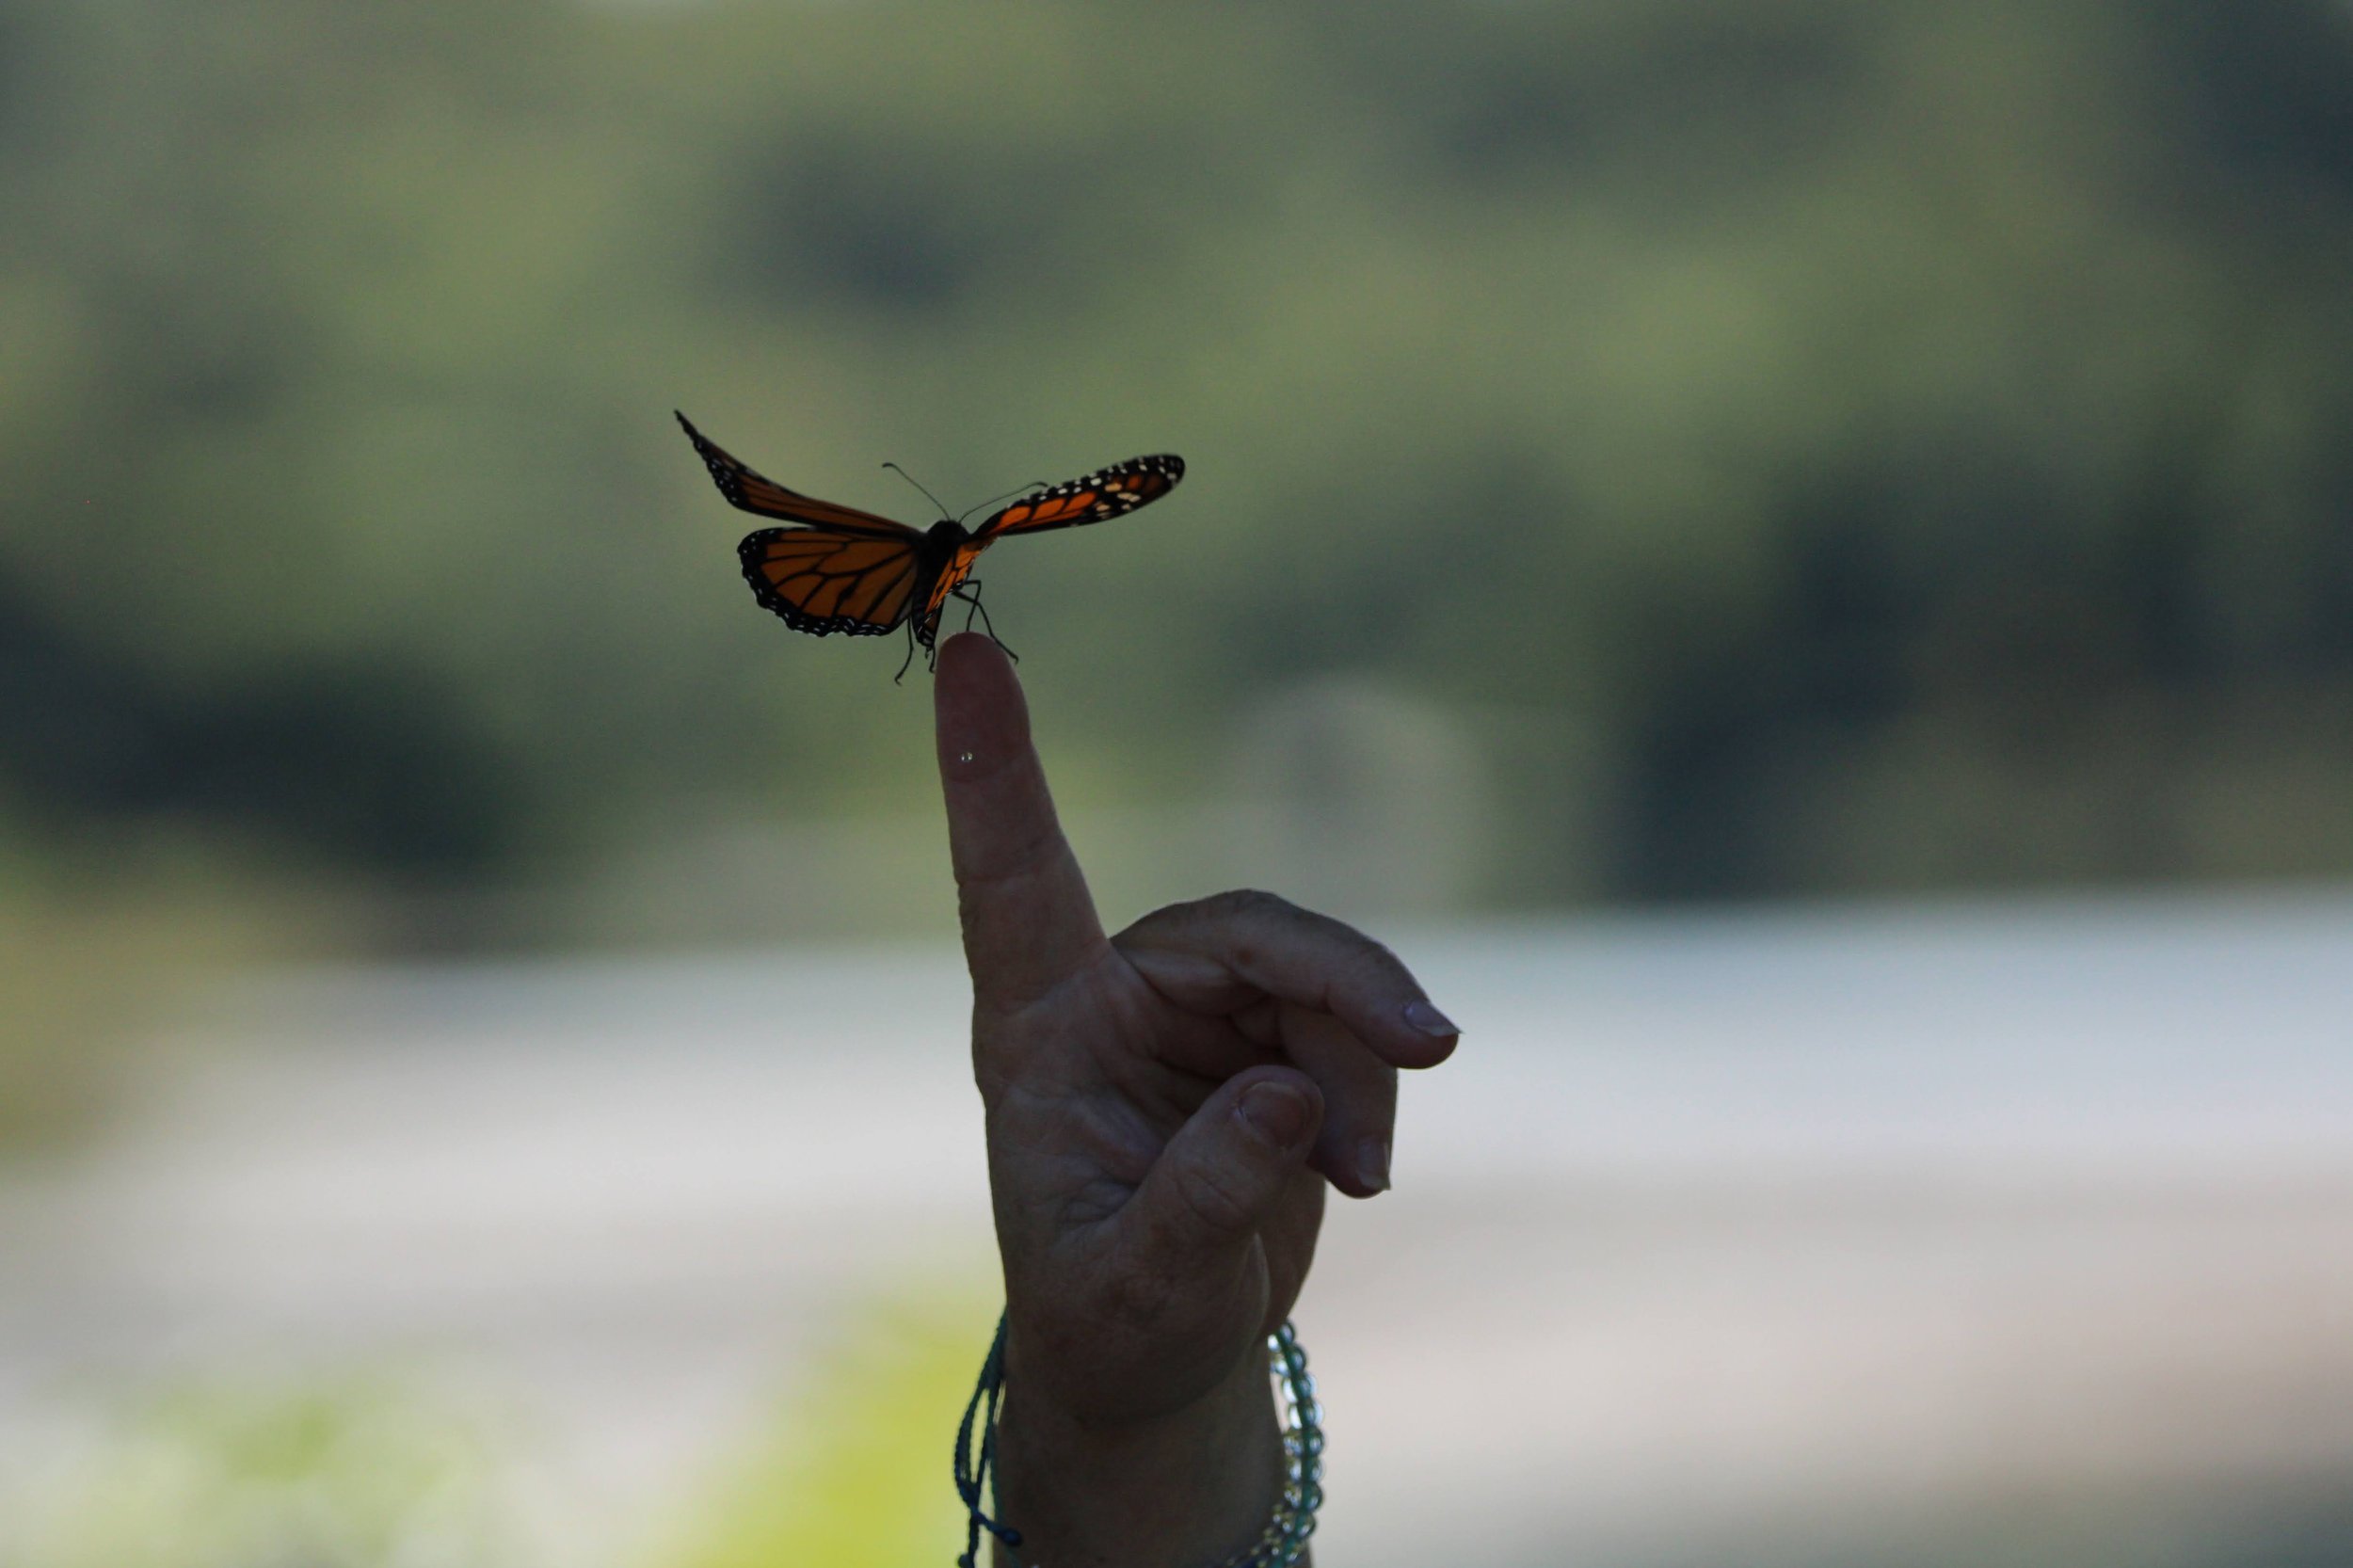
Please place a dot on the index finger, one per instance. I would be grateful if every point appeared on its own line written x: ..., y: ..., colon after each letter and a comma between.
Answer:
x: 1028, y: 920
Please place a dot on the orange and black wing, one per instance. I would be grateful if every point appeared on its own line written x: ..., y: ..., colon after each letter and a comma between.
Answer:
x: 823, y: 581
x: 1110, y: 492
x: 753, y: 493
x: 841, y: 570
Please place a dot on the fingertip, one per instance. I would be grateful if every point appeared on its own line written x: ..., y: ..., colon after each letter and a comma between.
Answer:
x: 1281, y: 1111
x: 1427, y: 1018
x: 980, y: 716
x: 1430, y: 1036
x: 965, y: 647
x: 1355, y: 1168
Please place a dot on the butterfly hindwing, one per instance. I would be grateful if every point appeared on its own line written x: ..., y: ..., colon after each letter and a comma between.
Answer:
x: 822, y: 582
x: 1110, y: 492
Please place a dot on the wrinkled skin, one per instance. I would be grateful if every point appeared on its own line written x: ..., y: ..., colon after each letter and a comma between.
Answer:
x: 1166, y: 1109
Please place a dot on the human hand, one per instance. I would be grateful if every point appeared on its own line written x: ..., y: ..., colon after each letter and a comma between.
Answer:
x: 1164, y: 1109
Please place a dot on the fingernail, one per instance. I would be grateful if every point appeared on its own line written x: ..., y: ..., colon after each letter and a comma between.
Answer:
x: 1275, y: 1113
x: 1372, y: 1164
x: 1429, y: 1020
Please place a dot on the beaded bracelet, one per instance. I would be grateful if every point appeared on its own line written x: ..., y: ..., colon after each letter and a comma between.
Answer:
x: 1281, y: 1544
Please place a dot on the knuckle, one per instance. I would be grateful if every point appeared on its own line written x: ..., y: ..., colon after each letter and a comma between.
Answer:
x: 1155, y: 923
x: 1248, y: 900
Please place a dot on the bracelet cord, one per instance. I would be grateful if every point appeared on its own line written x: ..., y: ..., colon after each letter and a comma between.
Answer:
x: 1281, y: 1544
x: 971, y: 1475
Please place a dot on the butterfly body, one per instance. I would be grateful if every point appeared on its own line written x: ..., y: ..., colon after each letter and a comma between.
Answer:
x: 835, y: 568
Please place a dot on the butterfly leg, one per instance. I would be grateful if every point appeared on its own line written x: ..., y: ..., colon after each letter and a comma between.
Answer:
x: 973, y: 600
x: 908, y: 663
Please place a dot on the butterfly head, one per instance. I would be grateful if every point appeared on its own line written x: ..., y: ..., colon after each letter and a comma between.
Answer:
x: 947, y: 533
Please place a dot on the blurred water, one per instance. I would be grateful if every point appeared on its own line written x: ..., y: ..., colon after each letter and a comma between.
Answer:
x: 1986, y: 1041
x: 1781, y: 1228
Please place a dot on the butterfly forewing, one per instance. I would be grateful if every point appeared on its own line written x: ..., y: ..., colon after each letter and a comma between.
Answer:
x: 1109, y: 492
x: 822, y: 583
x: 754, y: 493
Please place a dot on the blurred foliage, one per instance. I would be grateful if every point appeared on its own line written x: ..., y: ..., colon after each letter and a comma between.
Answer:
x: 854, y: 1473
x: 90, y: 965
x: 67, y: 1007
x: 1804, y: 445
x: 388, y: 1470
x: 356, y: 1473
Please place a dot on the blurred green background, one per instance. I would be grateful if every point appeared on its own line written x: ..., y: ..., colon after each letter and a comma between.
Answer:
x: 393, y: 1464
x: 1641, y: 452
x: 1801, y: 447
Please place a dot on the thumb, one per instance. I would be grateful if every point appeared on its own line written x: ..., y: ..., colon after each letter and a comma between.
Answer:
x: 1226, y: 1169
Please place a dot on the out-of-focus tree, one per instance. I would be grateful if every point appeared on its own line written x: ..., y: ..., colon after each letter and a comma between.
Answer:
x: 1808, y: 445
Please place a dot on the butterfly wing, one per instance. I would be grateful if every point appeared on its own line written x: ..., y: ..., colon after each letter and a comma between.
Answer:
x: 823, y: 582
x: 841, y: 570
x: 754, y: 493
x: 847, y: 571
x: 1110, y: 492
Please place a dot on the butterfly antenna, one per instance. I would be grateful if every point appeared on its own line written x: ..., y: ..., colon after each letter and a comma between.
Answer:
x: 1018, y: 489
x: 912, y: 480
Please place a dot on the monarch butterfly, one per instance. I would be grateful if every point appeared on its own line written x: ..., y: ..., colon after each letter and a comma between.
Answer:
x: 840, y: 569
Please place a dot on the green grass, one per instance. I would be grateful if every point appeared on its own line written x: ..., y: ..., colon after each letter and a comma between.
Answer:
x: 855, y: 1472
x: 361, y: 1472
x: 391, y: 1468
